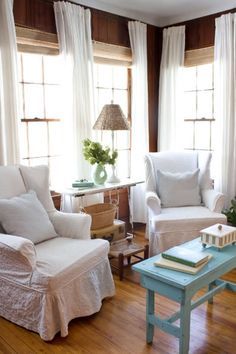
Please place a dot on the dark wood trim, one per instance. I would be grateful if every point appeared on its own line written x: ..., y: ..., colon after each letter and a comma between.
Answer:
x: 154, y: 47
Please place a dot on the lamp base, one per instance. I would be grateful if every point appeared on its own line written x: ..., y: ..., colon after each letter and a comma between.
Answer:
x: 113, y: 178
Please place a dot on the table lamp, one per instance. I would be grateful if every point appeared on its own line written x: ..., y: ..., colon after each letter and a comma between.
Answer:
x: 112, y: 118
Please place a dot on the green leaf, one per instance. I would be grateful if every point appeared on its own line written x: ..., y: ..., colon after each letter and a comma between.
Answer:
x: 95, y: 153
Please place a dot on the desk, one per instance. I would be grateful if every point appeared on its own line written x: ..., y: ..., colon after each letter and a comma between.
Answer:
x: 107, y: 187
x: 181, y: 287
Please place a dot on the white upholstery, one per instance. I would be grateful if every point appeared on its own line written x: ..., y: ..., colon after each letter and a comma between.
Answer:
x: 56, y: 280
x: 168, y: 227
x: 11, y: 182
x: 37, y: 179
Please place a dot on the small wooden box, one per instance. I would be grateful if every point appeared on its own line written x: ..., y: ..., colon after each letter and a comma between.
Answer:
x: 111, y: 233
x: 218, y: 235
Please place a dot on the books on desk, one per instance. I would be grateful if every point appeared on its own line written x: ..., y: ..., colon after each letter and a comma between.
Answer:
x: 185, y: 256
x: 82, y: 184
x: 166, y: 263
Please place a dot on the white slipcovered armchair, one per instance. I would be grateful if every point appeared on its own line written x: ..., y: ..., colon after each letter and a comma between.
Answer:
x: 52, y: 271
x: 179, y: 198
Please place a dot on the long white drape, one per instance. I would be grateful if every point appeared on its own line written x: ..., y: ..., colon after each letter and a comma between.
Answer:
x: 225, y: 104
x: 139, y: 138
x: 9, y: 140
x: 170, y: 90
x: 74, y: 34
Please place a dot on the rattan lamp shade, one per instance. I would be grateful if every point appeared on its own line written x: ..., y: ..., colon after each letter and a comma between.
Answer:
x: 111, y: 118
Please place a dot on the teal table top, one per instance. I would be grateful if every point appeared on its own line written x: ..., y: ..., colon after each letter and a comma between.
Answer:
x: 222, y: 260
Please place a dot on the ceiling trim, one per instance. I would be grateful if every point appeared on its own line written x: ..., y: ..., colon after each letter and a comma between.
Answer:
x: 152, y: 19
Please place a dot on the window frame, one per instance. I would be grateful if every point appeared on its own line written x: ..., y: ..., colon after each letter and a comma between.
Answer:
x: 128, y: 89
x: 195, y: 58
x: 29, y: 158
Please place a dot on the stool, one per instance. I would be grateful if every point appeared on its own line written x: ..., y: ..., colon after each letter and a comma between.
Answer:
x: 125, y: 249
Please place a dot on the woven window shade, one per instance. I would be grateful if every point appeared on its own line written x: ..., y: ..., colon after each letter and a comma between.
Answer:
x: 34, y: 41
x: 111, y: 54
x: 199, y: 56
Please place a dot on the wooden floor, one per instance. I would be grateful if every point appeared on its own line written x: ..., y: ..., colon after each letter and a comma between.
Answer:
x: 119, y: 327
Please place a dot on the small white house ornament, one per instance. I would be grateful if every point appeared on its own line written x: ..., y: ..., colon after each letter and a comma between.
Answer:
x: 218, y: 235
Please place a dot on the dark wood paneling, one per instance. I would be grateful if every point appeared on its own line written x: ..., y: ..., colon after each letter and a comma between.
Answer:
x: 22, y: 15
x: 99, y: 33
x: 154, y: 45
x: 36, y: 14
x: 43, y: 16
x: 200, y: 32
x: 109, y: 28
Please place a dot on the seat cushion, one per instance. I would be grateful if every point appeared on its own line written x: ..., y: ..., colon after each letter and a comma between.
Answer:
x: 185, y: 218
x: 62, y: 259
x: 25, y: 216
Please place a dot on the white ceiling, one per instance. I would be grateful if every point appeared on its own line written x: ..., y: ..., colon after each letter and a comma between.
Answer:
x: 161, y: 12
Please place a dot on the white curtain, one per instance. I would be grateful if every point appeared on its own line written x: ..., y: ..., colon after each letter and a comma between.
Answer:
x: 225, y: 104
x: 74, y: 34
x: 9, y: 140
x: 170, y: 90
x: 139, y: 138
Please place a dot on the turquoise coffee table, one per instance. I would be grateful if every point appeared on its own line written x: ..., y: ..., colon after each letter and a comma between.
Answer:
x: 181, y: 287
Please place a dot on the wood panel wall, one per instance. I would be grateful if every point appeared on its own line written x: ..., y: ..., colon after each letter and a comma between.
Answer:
x: 200, y: 32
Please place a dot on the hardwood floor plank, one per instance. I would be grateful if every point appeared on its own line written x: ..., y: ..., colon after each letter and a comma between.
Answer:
x: 5, y: 348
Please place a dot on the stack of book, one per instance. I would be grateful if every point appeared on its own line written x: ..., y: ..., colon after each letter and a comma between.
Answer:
x: 182, y: 259
x: 82, y: 183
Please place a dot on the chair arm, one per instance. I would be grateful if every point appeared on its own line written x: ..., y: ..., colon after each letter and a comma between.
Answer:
x: 153, y: 202
x: 72, y: 225
x: 213, y: 200
x: 17, y: 254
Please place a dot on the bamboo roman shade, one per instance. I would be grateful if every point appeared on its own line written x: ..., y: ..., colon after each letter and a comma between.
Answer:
x: 35, y: 41
x: 111, y: 54
x: 199, y: 56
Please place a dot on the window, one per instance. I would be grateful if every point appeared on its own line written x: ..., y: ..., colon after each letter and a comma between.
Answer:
x: 199, y: 121
x: 40, y: 111
x: 112, y: 83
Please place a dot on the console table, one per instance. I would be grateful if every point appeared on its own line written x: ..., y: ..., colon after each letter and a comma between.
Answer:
x: 181, y: 287
x: 107, y: 187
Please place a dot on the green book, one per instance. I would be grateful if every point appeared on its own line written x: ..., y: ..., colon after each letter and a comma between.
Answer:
x: 85, y: 184
x: 185, y: 256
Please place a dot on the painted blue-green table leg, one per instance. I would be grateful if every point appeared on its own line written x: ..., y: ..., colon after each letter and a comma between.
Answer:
x: 210, y: 287
x: 150, y: 309
x: 185, y: 316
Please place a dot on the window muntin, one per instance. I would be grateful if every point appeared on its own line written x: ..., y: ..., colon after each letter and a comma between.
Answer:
x: 112, y: 83
x: 40, y: 111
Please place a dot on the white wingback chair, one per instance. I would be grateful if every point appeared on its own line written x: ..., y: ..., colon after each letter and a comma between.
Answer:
x: 179, y: 198
x: 45, y: 283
